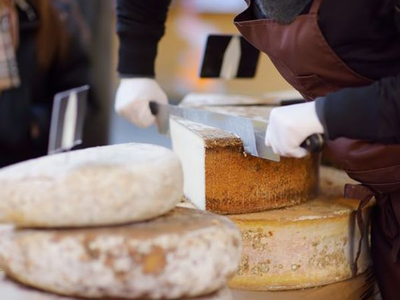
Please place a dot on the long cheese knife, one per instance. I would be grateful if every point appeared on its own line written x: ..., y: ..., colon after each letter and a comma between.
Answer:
x: 250, y: 131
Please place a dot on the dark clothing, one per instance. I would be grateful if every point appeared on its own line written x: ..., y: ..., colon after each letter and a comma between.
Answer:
x: 141, y: 24
x: 305, y: 59
x: 25, y: 111
x: 282, y: 11
x: 363, y: 33
x: 383, y: 241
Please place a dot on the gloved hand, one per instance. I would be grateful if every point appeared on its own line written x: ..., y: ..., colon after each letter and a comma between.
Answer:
x: 291, y: 125
x: 133, y: 97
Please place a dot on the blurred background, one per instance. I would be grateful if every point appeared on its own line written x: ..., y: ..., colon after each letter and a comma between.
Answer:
x: 177, y: 66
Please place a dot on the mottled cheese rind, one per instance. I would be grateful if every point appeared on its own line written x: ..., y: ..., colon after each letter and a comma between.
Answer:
x: 304, y: 246
x: 186, y: 253
x: 236, y: 182
x: 357, y: 288
x: 11, y: 290
x: 97, y: 186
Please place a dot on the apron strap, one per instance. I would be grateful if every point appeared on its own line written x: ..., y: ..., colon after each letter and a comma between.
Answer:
x: 315, y: 7
x: 365, y: 194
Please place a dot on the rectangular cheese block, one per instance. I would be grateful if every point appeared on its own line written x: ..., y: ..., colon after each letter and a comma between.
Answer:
x: 220, y: 177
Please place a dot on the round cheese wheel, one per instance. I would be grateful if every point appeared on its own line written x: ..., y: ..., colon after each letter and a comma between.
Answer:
x: 11, y: 290
x: 185, y: 253
x: 96, y: 186
x: 360, y: 287
x: 308, y: 245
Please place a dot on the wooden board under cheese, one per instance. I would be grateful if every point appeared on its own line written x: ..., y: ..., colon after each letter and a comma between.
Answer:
x: 11, y: 290
x: 185, y: 253
x: 97, y: 186
x: 220, y: 177
x: 308, y: 245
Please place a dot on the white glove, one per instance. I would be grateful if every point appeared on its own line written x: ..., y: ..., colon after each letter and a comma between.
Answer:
x: 133, y: 98
x: 291, y: 125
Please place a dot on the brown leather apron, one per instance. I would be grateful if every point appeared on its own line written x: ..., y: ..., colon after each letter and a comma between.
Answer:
x: 304, y: 58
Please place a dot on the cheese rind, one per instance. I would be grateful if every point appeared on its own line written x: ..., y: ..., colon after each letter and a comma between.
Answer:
x: 97, y: 186
x: 304, y: 246
x: 209, y: 100
x: 185, y: 253
x: 11, y: 290
x: 220, y: 177
x: 359, y: 287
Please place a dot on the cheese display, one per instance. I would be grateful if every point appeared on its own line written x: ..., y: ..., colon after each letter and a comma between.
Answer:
x: 308, y: 245
x: 185, y: 253
x: 220, y: 177
x: 10, y: 290
x: 361, y: 287
x: 96, y: 186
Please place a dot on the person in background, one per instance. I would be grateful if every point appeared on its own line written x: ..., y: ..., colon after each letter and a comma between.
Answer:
x: 40, y: 54
x: 345, y: 55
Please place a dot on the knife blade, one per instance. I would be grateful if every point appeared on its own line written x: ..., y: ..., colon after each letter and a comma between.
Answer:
x: 250, y: 131
x: 67, y: 119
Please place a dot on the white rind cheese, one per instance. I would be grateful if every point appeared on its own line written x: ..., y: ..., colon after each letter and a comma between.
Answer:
x: 220, y: 177
x: 303, y: 246
x: 11, y: 290
x: 185, y: 253
x: 97, y: 186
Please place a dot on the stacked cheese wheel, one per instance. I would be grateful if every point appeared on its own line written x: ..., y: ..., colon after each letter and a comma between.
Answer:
x: 297, y: 233
x: 102, y: 223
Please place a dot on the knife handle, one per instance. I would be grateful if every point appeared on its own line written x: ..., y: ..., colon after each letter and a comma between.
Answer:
x: 153, y: 108
x: 314, y: 143
x: 292, y: 101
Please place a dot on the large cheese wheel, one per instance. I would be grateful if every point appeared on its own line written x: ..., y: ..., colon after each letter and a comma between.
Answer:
x: 207, y: 100
x: 361, y: 287
x: 220, y: 177
x: 11, y: 290
x: 308, y: 245
x: 185, y: 253
x: 96, y: 186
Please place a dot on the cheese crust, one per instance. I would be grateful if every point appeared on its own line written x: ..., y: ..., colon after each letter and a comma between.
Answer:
x: 97, y: 186
x: 222, y: 178
x: 185, y: 253
x: 308, y: 245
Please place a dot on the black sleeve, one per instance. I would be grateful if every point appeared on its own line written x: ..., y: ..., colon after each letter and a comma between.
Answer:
x: 397, y: 14
x: 140, y: 26
x: 369, y: 113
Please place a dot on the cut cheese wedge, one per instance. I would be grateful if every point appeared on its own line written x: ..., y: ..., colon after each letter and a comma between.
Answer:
x: 185, y: 253
x: 11, y: 290
x: 97, y: 186
x: 220, y: 177
x: 304, y: 246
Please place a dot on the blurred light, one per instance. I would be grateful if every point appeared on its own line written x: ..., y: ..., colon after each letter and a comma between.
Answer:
x: 212, y: 6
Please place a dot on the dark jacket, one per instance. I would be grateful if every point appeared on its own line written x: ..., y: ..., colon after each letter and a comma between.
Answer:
x: 25, y: 111
x: 365, y: 34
